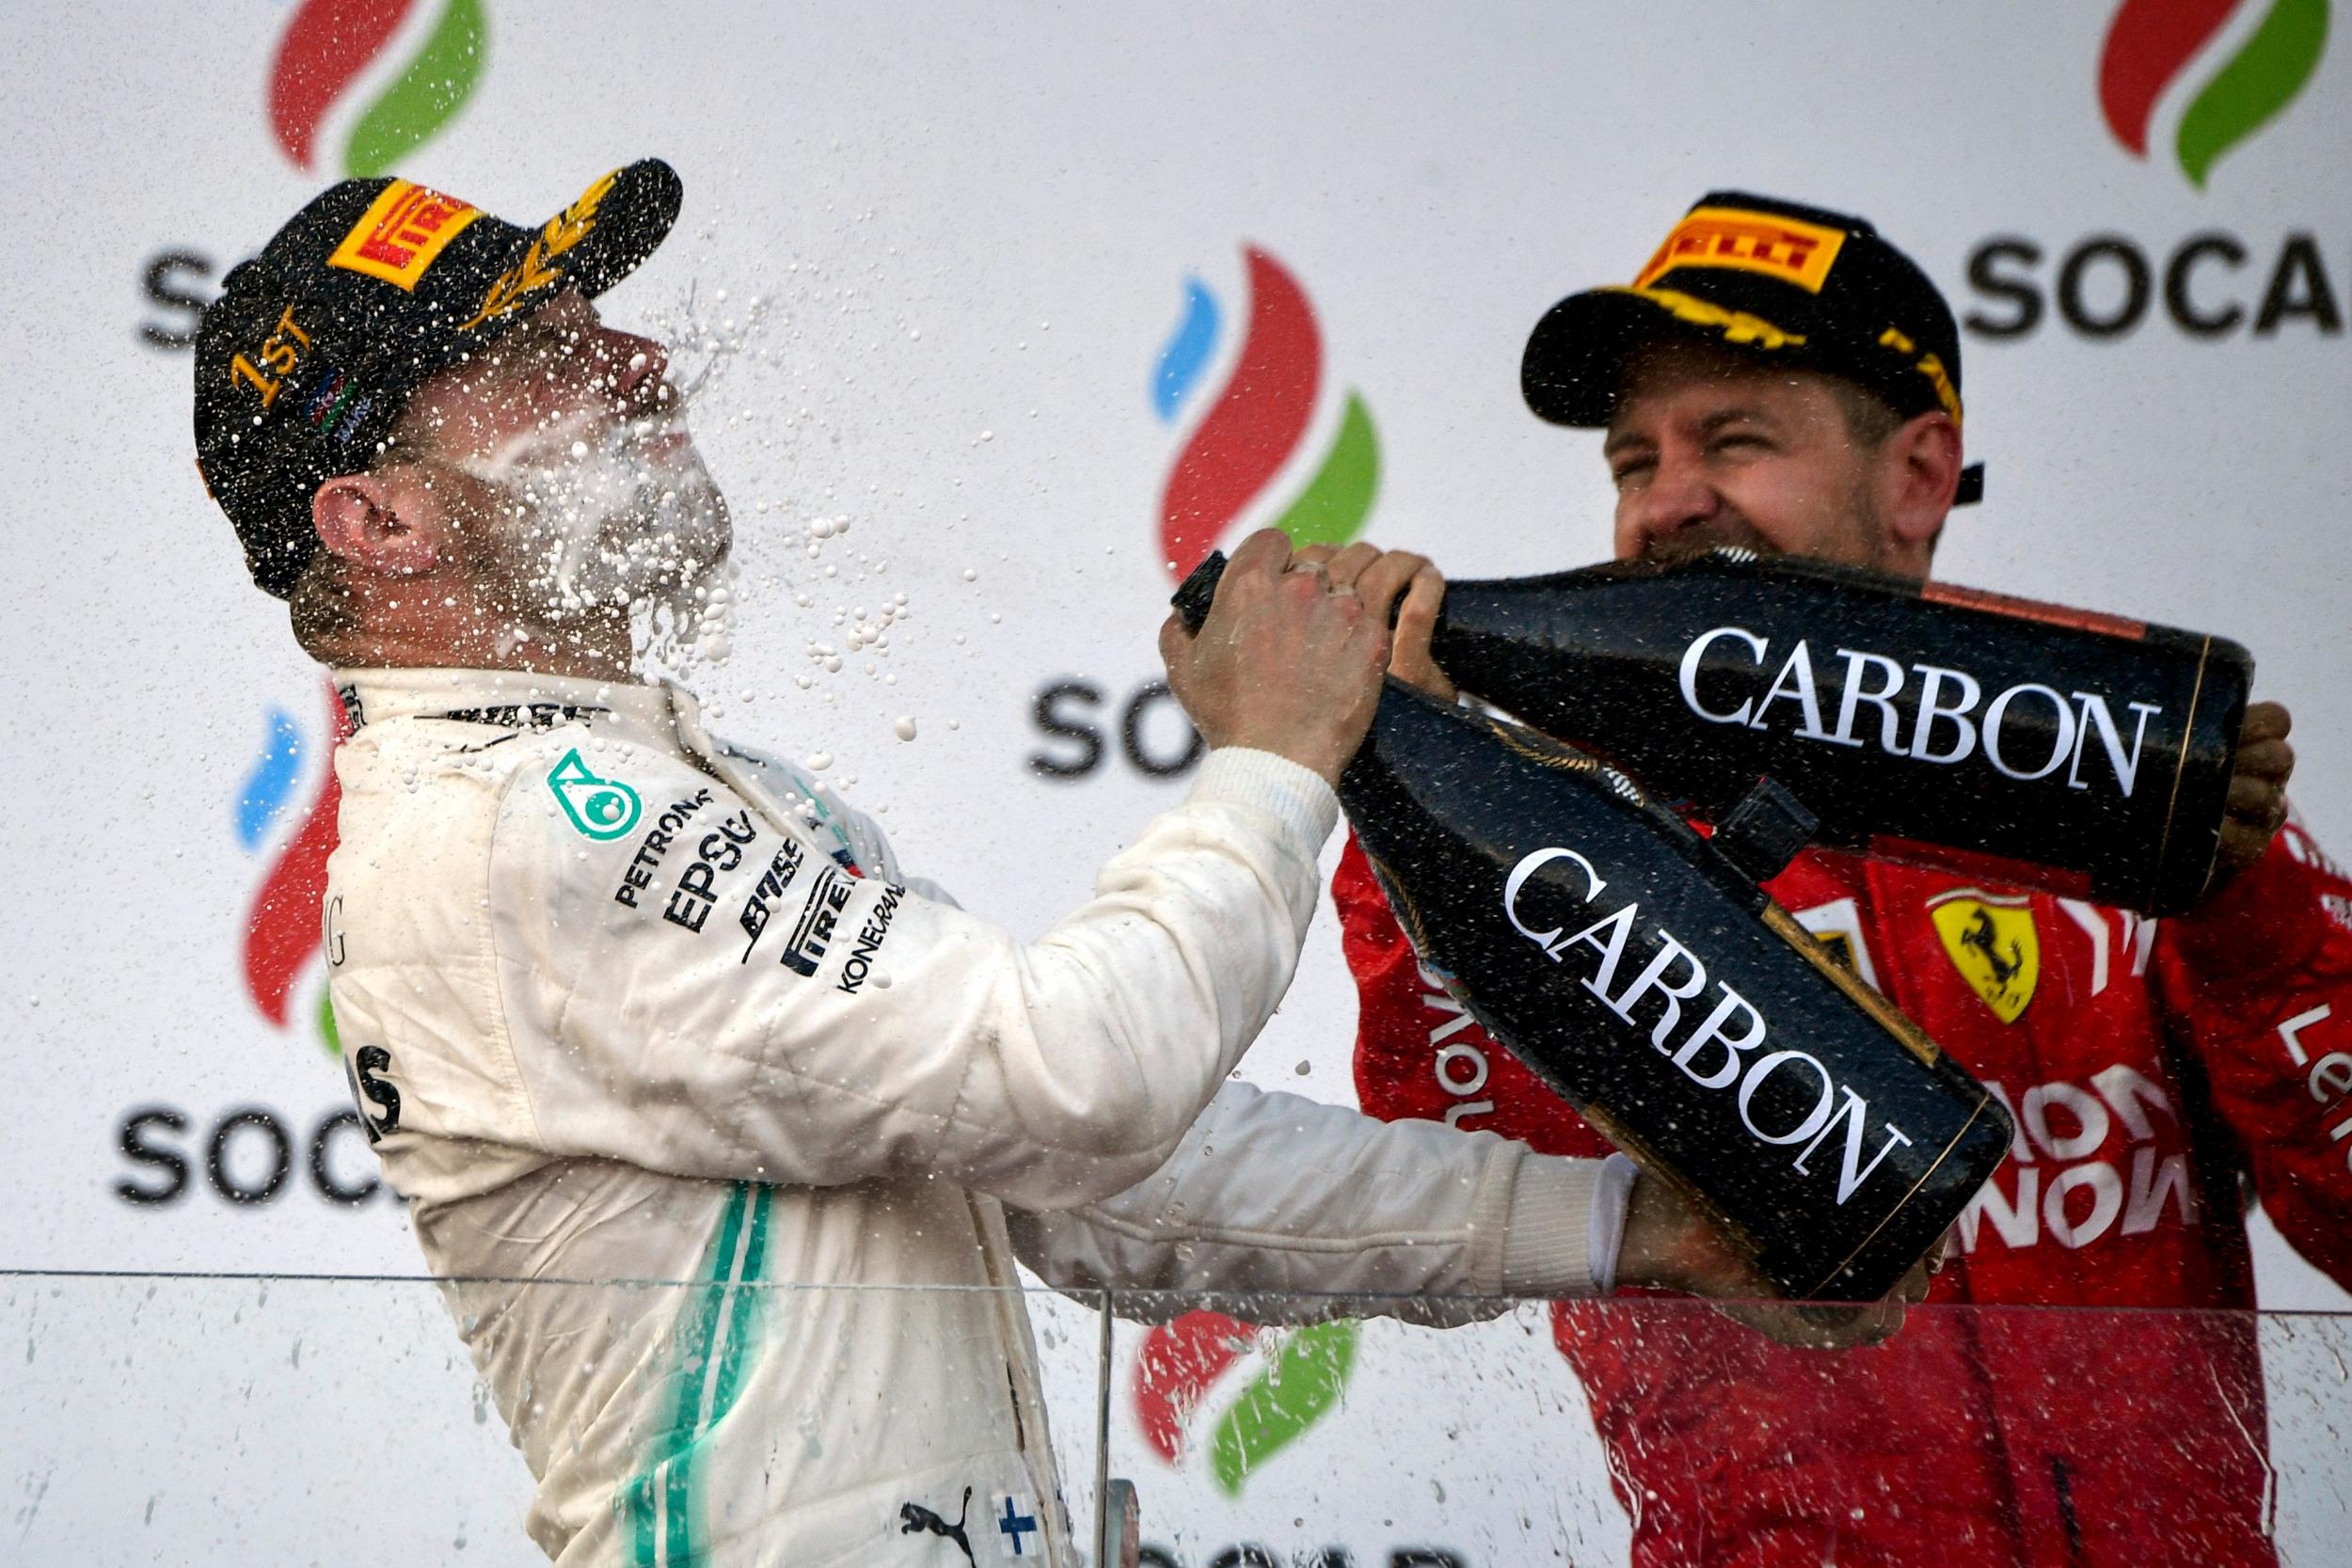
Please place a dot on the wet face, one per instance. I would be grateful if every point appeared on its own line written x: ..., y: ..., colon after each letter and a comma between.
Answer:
x: 561, y: 458
x: 1710, y: 446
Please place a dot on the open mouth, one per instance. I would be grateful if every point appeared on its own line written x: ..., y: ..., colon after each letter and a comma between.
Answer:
x: 608, y: 509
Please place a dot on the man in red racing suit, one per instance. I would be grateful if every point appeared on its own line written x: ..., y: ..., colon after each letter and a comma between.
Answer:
x: 2152, y: 1067
x: 2153, y: 1070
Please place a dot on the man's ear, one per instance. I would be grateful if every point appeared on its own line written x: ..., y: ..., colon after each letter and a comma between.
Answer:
x: 377, y: 523
x: 1920, y: 475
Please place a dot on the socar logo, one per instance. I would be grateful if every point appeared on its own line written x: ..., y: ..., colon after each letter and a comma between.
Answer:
x: 330, y: 45
x: 1258, y: 424
x: 2151, y: 44
x: 282, y: 930
x: 1298, y: 1383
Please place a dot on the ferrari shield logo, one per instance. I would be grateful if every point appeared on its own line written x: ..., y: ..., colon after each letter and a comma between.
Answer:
x: 1993, y: 943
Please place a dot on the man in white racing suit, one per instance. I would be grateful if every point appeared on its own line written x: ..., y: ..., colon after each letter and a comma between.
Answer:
x: 680, y: 1071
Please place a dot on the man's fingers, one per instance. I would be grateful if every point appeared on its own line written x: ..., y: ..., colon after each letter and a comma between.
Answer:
x: 1266, y: 550
x: 1914, y: 1289
x: 2264, y: 721
x: 1387, y: 577
x: 2266, y: 759
x: 1347, y: 566
x: 1416, y: 621
x: 2256, y: 799
x: 1845, y: 1328
x: 1817, y: 1326
x: 1424, y: 596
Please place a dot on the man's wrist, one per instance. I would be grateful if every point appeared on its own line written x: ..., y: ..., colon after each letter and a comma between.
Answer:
x: 1612, y: 1197
x: 1567, y: 1221
x: 1296, y: 795
x: 1653, y: 1253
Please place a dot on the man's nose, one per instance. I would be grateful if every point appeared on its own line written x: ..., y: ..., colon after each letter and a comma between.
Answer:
x: 636, y: 367
x: 1680, y: 495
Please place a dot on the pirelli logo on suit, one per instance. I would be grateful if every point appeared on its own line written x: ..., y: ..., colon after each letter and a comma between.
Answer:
x: 813, y: 932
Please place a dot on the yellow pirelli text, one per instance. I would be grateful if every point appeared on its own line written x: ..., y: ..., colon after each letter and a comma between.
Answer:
x: 1788, y: 249
x: 402, y: 231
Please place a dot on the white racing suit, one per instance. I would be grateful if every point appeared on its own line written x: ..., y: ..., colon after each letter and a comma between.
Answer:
x: 624, y: 1005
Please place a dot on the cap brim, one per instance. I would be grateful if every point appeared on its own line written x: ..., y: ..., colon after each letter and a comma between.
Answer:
x: 605, y: 233
x: 633, y: 219
x: 1576, y: 357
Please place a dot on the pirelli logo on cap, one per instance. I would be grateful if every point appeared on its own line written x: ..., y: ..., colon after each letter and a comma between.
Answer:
x: 402, y: 231
x: 1788, y: 249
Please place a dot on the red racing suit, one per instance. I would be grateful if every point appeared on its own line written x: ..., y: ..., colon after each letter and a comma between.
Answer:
x: 2152, y: 1070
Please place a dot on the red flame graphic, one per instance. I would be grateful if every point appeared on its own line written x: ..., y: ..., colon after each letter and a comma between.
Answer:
x: 282, y: 932
x: 1179, y: 1363
x: 2148, y: 43
x: 328, y: 44
x: 1256, y: 424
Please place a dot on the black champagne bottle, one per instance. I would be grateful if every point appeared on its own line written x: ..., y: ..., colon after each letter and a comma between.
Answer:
x: 1640, y: 971
x: 2081, y: 753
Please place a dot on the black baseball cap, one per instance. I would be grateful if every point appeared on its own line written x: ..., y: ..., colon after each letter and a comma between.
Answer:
x: 314, y: 347
x: 1787, y: 283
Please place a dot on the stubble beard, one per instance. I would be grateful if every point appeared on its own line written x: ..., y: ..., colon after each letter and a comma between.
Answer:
x: 1858, y: 536
x: 589, y: 521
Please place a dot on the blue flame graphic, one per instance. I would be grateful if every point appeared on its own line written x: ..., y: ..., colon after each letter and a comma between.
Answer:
x: 271, y: 784
x: 1187, y: 353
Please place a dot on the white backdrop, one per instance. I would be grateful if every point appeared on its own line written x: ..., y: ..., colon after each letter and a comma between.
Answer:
x: 970, y: 235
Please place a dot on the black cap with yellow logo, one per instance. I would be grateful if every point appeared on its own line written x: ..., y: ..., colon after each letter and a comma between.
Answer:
x: 1799, y: 285
x: 306, y: 360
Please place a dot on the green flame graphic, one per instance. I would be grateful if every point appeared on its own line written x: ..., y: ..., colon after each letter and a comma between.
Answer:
x: 2262, y: 80
x: 427, y: 93
x: 1301, y: 1383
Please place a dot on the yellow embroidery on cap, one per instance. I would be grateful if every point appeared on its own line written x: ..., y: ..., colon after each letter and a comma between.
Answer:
x: 401, y: 233
x: 1930, y: 366
x: 1788, y: 249
x: 277, y: 355
x: 536, y: 269
x: 1738, y: 326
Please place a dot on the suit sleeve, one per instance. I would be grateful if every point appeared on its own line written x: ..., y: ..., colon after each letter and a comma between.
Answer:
x: 2260, y: 979
x: 1419, y: 1053
x: 1277, y: 1194
x: 748, y: 1005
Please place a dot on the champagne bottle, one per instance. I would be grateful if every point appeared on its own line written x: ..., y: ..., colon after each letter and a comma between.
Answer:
x: 1641, y: 972
x: 2080, y: 754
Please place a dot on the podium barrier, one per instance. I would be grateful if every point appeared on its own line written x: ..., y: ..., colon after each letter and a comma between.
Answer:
x: 202, y: 1419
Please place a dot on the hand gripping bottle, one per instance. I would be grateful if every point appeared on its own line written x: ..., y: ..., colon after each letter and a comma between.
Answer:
x: 1640, y: 971
x: 2077, y: 752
